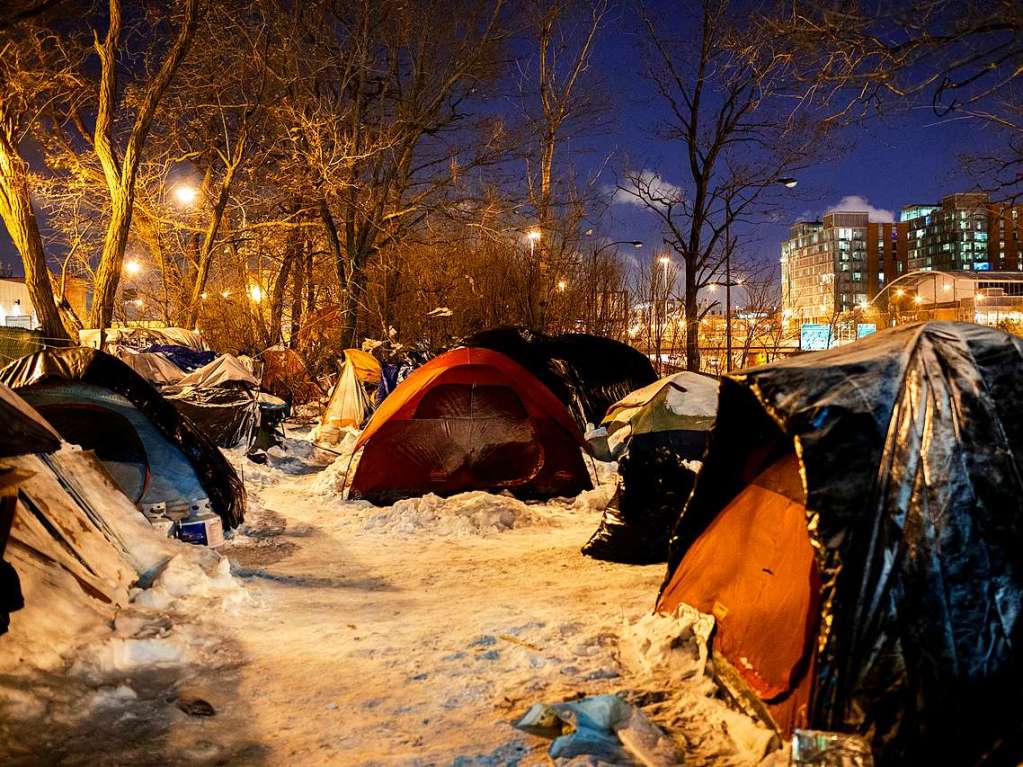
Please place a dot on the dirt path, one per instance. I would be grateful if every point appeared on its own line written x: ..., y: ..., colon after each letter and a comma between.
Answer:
x: 367, y: 648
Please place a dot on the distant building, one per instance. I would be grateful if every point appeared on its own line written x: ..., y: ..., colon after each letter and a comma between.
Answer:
x: 845, y: 260
x: 16, y: 309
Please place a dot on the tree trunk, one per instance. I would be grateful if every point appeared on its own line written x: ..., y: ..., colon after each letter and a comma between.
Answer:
x: 277, y: 293
x: 111, y: 261
x: 692, y: 323
x: 296, y: 296
x: 353, y: 297
x: 22, y: 225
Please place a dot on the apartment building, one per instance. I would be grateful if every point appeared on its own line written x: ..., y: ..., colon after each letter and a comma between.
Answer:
x: 845, y: 259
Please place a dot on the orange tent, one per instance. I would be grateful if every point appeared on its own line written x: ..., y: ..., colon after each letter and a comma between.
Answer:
x: 367, y: 368
x: 753, y: 569
x: 470, y: 419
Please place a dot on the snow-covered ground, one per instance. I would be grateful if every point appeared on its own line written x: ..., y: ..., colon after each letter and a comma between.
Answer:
x: 347, y: 634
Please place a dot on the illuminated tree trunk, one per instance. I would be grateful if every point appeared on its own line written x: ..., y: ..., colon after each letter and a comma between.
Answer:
x: 20, y: 220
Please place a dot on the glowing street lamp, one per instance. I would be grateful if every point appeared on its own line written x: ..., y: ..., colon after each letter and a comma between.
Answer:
x: 132, y: 267
x: 562, y: 285
x: 533, y: 235
x: 255, y: 293
x: 185, y: 194
x: 225, y: 294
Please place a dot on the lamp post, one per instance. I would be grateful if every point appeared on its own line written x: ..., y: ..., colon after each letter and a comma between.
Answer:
x: 593, y: 272
x: 789, y: 183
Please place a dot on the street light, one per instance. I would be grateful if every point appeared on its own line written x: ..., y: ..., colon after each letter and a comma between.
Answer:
x: 562, y: 285
x: 255, y: 293
x: 185, y: 194
x: 788, y: 182
x: 132, y: 267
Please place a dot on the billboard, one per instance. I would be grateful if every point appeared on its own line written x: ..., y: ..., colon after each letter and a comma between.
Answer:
x: 864, y: 329
x: 814, y: 337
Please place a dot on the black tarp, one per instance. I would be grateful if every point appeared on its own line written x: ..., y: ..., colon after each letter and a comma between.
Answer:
x: 656, y: 482
x: 89, y: 366
x: 910, y: 445
x: 587, y: 373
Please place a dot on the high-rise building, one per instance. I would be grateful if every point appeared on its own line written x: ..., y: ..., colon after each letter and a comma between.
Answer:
x: 965, y: 232
x: 845, y: 259
x: 833, y: 265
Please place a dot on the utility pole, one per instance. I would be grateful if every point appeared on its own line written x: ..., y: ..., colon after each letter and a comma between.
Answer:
x: 728, y: 292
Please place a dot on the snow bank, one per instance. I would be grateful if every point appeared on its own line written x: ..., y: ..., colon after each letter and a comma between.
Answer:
x: 671, y: 652
x: 472, y: 513
x: 182, y: 581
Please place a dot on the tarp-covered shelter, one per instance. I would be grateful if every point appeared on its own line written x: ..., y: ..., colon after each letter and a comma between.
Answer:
x: 856, y: 531
x: 24, y: 430
x: 156, y: 455
x: 348, y: 406
x: 140, y: 337
x: 221, y: 398
x: 153, y: 366
x: 587, y: 373
x: 470, y: 419
x: 367, y: 367
x: 77, y: 548
x: 658, y: 435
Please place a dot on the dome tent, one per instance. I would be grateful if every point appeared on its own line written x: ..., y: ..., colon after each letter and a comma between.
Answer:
x: 24, y: 430
x: 158, y: 454
x: 908, y: 492
x: 470, y: 419
x: 658, y: 435
x: 587, y: 373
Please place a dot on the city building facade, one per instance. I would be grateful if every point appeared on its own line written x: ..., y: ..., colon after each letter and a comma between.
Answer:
x: 843, y: 261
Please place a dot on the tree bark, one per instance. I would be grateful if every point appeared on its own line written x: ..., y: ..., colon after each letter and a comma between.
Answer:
x: 23, y: 227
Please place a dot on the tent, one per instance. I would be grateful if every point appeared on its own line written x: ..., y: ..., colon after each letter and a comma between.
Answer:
x: 367, y: 368
x: 587, y: 373
x: 24, y: 430
x: 221, y: 398
x: 348, y: 406
x: 470, y: 419
x: 856, y: 531
x: 658, y: 435
x: 155, y: 454
x: 684, y: 402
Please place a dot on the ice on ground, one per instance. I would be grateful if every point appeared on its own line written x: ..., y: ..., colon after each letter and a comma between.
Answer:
x: 182, y: 580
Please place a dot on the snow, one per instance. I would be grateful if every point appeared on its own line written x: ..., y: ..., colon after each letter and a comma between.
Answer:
x: 335, y: 632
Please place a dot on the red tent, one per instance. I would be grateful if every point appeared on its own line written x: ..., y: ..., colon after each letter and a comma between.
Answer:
x: 470, y: 419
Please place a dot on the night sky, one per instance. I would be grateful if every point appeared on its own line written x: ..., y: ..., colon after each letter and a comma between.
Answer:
x: 909, y: 158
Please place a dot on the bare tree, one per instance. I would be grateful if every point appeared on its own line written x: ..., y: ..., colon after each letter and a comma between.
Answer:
x: 32, y: 64
x: 121, y: 170
x: 727, y: 95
